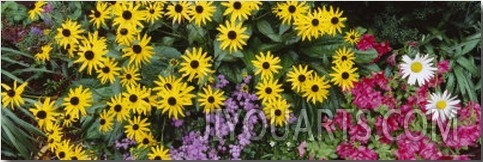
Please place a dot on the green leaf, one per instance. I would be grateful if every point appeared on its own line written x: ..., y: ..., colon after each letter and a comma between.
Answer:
x: 468, y: 64
x: 363, y: 57
x: 11, y: 76
x: 265, y: 28
x: 283, y: 28
x: 167, y: 52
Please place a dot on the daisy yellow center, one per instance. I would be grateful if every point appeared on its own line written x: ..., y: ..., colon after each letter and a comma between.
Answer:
x: 232, y: 35
x: 237, y: 5
x: 11, y: 93
x: 41, y: 114
x: 211, y: 99
x: 66, y: 32
x: 157, y: 158
x: 178, y: 8
x: 334, y: 20
x: 315, y: 22
x: 117, y: 108
x: 199, y: 9
x: 194, y: 64
x: 127, y: 15
x: 172, y: 101
x: 74, y: 101
x: 345, y: 75
x: 133, y: 98
x: 137, y: 49
x: 89, y: 55
x: 102, y: 122
x: 441, y: 105
x: 291, y: 9
x: 314, y: 88
x: 123, y: 31
x: 301, y: 78
x: 135, y: 127
x: 268, y: 90
x: 416, y: 67
x: 266, y: 65
x: 278, y: 112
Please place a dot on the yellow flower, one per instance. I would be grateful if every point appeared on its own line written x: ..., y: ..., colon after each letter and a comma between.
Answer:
x: 134, y: 99
x: 344, y: 57
x: 277, y: 111
x: 45, y: 114
x: 70, y: 32
x: 196, y: 64
x: 313, y: 25
x: 211, y: 100
x: 268, y: 90
x: 119, y: 108
x: 90, y: 56
x: 105, y: 121
x: 201, y: 12
x: 37, y: 10
x: 178, y: 11
x: 352, y: 36
x: 174, y: 99
x: 299, y: 77
x: 78, y: 100
x: 130, y: 76
x: 12, y: 95
x: 267, y: 65
x: 336, y: 21
x: 154, y: 11
x: 139, y: 53
x: 159, y: 153
x: 101, y: 13
x: 239, y: 10
x: 137, y: 128
x: 231, y: 36
x: 344, y: 76
x: 108, y: 71
x: 44, y: 54
x: 316, y: 89
x: 128, y: 15
x: 290, y: 11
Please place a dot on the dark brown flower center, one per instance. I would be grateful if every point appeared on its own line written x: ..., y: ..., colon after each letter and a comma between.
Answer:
x: 117, y: 108
x: 128, y: 76
x: 231, y: 35
x: 237, y: 5
x: 123, y: 31
x: 66, y: 32
x: 353, y: 37
x: 157, y: 158
x: 345, y: 75
x: 199, y: 9
x: 135, y: 127
x: 74, y: 101
x: 106, y: 69
x: 67, y: 117
x: 172, y: 101
x: 315, y: 22
x: 73, y: 157
x: 11, y: 93
x: 133, y: 98
x: 41, y: 114
x: 301, y: 78
x: 315, y: 88
x: 178, y: 8
x: 97, y: 14
x: 168, y: 86
x: 127, y: 15
x: 343, y: 58
x: 291, y: 9
x: 61, y: 154
x: 266, y: 65
x: 89, y: 55
x: 145, y: 141
x: 151, y: 11
x: 194, y: 64
x: 268, y: 90
x: 137, y: 49
x: 211, y: 99
x: 102, y: 122
x: 278, y: 112
x: 334, y: 20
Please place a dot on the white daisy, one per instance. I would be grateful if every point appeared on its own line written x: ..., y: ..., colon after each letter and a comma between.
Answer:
x: 442, y: 106
x: 420, y: 69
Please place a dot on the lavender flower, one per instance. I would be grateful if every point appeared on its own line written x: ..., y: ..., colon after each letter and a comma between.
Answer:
x: 222, y: 81
x: 177, y: 123
x: 36, y: 31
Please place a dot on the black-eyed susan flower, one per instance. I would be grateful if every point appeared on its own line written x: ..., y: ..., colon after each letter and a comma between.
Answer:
x: 140, y: 52
x: 152, y: 100
x: 134, y: 99
x: 37, y: 10
x: 290, y: 10
x: 266, y: 65
x: 77, y: 101
x: 239, y: 10
x: 154, y: 11
x: 316, y: 89
x: 67, y: 120
x: 344, y: 76
x: 108, y: 71
x: 125, y: 35
x: 159, y: 153
x: 166, y: 83
x: 130, y: 76
x: 277, y: 111
x: 69, y: 49
x: 195, y: 64
x: 91, y: 57
x: 335, y: 19
x: 96, y: 41
x: 69, y: 32
x: 344, y: 57
x: 201, y: 12
x: 147, y: 140
x: 45, y: 113
x: 268, y: 90
x: 313, y: 25
x: 12, y: 96
x: 420, y: 69
x: 54, y: 136
x: 178, y: 11
x: 128, y: 15
x: 299, y: 76
x: 211, y: 99
x: 106, y: 119
x: 352, y: 37
x: 64, y: 150
x: 100, y: 14
x: 119, y: 108
x: 174, y: 100
x: 137, y: 127
x: 44, y: 54
x: 78, y: 153
x: 232, y: 36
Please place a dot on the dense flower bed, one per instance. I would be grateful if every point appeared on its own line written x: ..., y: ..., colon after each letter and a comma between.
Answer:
x: 205, y: 80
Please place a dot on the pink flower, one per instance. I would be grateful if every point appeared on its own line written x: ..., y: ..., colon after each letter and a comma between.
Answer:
x: 344, y: 150
x: 429, y: 151
x: 366, y: 42
x: 301, y: 149
x: 382, y: 48
x: 360, y: 132
x: 443, y: 66
x: 365, y: 94
x: 347, y: 151
x: 391, y: 60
